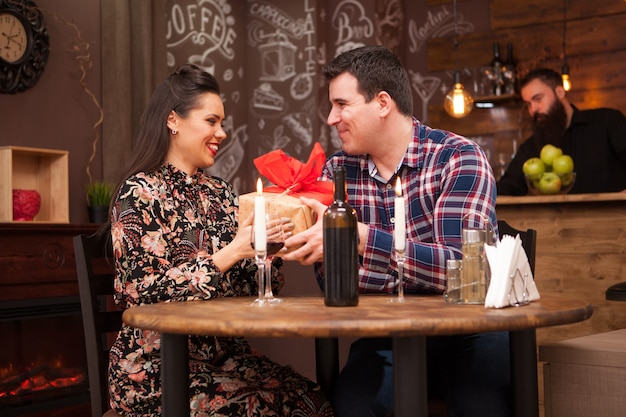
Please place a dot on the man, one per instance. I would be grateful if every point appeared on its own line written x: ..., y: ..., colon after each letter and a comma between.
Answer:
x: 444, y: 176
x: 595, y: 139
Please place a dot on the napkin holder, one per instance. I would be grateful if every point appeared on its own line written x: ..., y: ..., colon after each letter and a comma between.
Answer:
x: 512, y: 282
x: 518, y: 294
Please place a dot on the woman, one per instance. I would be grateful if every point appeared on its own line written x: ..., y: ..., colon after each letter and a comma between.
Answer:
x: 175, y: 238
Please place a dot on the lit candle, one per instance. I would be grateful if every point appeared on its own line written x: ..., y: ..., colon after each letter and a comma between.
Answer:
x: 399, y: 231
x: 260, y: 233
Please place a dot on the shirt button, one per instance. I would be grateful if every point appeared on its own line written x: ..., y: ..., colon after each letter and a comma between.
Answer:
x: 389, y: 186
x: 392, y: 220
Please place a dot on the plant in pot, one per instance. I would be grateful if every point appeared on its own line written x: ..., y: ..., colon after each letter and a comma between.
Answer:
x: 99, y: 195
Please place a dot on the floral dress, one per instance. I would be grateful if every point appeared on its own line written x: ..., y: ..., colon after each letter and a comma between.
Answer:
x: 165, y: 226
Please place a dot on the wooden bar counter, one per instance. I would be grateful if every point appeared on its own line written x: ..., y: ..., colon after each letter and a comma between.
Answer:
x: 581, y: 251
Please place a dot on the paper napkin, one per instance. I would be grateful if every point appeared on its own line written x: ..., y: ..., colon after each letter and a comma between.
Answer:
x: 512, y: 280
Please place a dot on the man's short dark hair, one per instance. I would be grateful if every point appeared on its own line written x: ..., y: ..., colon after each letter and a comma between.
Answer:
x: 376, y: 69
x: 546, y: 75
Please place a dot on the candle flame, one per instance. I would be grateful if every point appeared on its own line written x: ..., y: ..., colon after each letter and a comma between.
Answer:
x: 398, y: 187
x: 259, y: 187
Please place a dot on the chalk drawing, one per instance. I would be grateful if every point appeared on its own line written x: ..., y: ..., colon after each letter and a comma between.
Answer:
x: 265, y: 97
x: 207, y: 23
x: 351, y: 23
x: 425, y: 87
x: 389, y: 22
x: 286, y: 71
x: 202, y: 32
x: 437, y: 23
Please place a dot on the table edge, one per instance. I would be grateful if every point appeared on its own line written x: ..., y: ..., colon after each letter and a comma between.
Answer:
x: 156, y: 318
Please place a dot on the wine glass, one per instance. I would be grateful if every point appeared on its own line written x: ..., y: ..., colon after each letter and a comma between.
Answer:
x: 399, y: 256
x: 275, y: 242
x: 260, y: 257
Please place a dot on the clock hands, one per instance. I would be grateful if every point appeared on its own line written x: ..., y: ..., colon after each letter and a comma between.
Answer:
x: 10, y: 38
x: 8, y: 46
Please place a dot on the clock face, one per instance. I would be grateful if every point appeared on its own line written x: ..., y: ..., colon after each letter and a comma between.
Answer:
x: 24, y: 45
x: 13, y: 41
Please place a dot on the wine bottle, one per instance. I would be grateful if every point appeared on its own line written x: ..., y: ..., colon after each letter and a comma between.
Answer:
x: 508, y: 70
x: 496, y: 70
x: 341, y: 257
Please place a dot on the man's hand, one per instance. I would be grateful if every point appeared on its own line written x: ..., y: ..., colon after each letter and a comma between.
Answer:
x: 307, y: 247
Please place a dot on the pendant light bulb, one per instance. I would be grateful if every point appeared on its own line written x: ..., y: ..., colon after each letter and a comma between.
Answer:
x: 458, y: 102
x: 567, y: 84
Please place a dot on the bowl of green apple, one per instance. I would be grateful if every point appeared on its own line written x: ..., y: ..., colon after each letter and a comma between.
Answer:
x: 549, y: 174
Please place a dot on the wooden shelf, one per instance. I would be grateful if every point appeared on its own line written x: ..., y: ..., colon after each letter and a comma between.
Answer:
x: 44, y: 170
x: 500, y: 100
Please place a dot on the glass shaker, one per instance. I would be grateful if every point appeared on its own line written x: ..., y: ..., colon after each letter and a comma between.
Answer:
x: 475, y: 272
x: 452, y: 295
x: 473, y: 278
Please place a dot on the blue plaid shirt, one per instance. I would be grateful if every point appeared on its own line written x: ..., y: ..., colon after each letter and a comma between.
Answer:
x: 444, y: 176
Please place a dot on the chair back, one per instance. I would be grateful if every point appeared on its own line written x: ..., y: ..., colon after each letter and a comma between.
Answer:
x: 101, y: 317
x: 523, y: 343
x: 528, y: 238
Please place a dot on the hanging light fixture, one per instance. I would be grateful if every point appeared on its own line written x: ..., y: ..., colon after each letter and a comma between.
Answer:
x: 458, y: 102
x: 567, y: 84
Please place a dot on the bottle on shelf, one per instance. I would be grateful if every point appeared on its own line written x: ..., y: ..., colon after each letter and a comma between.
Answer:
x: 341, y: 257
x: 508, y: 71
x: 494, y: 71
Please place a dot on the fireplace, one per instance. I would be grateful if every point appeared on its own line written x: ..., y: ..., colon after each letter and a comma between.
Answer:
x: 42, y: 365
x: 43, y: 368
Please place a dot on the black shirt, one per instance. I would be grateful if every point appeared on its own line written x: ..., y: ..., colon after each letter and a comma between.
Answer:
x: 596, y: 141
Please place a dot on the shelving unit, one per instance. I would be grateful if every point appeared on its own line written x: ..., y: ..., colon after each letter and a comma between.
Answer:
x: 44, y: 170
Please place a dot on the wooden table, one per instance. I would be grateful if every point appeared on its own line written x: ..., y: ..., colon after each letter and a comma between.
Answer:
x: 407, y: 323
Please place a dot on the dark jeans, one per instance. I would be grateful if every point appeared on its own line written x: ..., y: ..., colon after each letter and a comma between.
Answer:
x: 471, y: 373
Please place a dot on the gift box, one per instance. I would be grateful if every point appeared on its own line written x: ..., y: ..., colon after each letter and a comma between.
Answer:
x: 291, y: 180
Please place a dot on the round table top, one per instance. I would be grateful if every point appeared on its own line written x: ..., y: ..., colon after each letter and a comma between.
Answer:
x: 374, y: 316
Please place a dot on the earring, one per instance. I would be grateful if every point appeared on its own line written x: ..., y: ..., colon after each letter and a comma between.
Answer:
x: 174, y: 131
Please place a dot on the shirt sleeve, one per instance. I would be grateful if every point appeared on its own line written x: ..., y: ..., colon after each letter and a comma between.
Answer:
x: 455, y: 180
x: 466, y: 186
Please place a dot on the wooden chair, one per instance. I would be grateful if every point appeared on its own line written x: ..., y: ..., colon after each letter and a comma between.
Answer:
x: 522, y: 342
x: 528, y: 238
x: 101, y: 317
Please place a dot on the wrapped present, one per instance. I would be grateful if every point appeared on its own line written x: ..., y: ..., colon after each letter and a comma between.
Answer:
x: 291, y: 179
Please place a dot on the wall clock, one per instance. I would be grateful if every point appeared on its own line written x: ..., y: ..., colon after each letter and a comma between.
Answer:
x: 24, y: 45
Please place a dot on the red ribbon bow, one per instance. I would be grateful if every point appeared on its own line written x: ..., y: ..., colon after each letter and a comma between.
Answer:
x: 291, y: 176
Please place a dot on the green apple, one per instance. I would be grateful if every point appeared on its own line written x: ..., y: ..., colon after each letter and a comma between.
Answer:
x: 562, y: 165
x: 567, y: 179
x: 550, y: 183
x: 549, y: 153
x: 533, y: 168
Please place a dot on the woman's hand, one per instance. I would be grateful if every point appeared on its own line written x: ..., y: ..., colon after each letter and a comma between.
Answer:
x: 243, y: 238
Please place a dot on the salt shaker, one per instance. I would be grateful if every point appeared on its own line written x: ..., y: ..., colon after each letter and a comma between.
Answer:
x: 452, y: 294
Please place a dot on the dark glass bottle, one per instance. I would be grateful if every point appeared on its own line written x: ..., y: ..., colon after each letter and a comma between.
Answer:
x: 341, y: 257
x: 497, y: 77
x: 508, y: 70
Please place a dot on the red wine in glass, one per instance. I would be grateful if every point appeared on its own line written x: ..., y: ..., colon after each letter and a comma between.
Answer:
x: 275, y: 242
x: 274, y: 247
